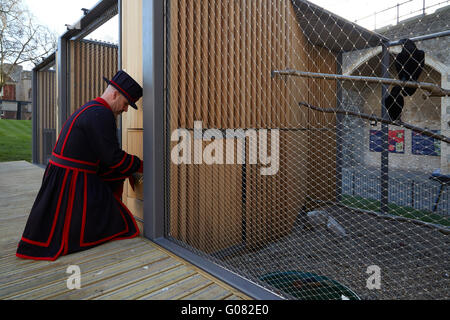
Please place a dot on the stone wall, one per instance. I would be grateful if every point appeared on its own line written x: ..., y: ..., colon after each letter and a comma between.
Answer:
x: 433, y: 114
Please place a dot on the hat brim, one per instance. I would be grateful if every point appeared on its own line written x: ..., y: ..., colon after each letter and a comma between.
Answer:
x: 131, y: 103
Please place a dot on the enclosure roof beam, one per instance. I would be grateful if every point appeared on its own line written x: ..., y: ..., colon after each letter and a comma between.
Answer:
x: 46, y: 63
x: 93, y: 19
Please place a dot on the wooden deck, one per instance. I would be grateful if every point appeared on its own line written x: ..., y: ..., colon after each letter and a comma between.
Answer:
x: 126, y: 269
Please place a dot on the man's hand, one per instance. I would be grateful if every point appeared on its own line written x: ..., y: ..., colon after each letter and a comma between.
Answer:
x: 136, y: 178
x: 132, y: 181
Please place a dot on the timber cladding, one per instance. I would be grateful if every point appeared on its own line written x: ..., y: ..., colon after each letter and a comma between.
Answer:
x: 220, y: 55
x: 89, y: 62
x: 47, y: 113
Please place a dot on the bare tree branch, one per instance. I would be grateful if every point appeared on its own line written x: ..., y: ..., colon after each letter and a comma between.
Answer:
x: 22, y: 40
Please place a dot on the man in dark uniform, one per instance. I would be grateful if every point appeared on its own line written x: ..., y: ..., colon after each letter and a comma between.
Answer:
x: 79, y: 203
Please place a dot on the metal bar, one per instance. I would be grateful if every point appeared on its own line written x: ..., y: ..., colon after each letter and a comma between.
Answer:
x: 46, y: 63
x: 167, y: 81
x: 153, y: 117
x: 435, y: 89
x: 92, y: 20
x: 384, y: 177
x: 63, y: 81
x: 422, y: 38
x: 35, y: 114
x: 339, y: 132
x: 251, y: 289
x: 384, y: 10
x: 119, y: 63
x: 244, y: 201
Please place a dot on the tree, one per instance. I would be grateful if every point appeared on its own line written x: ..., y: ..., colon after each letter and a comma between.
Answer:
x: 22, y: 40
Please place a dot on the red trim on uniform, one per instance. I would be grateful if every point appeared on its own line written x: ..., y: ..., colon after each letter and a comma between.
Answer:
x: 86, y: 244
x: 129, y: 166
x: 83, y: 219
x: 58, y: 206
x: 83, y: 223
x: 132, y: 219
x: 23, y: 256
x: 115, y: 179
x: 60, y: 135
x: 123, y: 91
x: 75, y: 160
x: 106, y: 173
x: 120, y: 163
x: 73, y: 122
x: 103, y: 102
x: 66, y: 230
x: 70, y: 168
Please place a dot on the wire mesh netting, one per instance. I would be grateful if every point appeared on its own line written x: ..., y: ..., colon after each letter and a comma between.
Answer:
x: 294, y: 161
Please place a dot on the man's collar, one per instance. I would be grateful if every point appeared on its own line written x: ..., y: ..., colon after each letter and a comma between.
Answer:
x: 103, y: 102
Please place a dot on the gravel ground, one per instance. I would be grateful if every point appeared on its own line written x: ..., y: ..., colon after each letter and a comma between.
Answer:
x: 413, y: 259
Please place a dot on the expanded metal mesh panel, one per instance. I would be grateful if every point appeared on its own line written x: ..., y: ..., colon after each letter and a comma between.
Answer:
x: 283, y: 164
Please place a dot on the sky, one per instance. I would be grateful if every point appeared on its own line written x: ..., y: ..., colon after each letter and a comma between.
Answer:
x: 56, y: 13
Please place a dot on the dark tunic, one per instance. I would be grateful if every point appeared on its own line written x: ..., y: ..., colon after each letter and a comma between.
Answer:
x: 76, y: 208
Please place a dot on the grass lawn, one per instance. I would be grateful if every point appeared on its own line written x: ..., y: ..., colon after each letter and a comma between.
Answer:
x: 407, y: 212
x: 15, y: 140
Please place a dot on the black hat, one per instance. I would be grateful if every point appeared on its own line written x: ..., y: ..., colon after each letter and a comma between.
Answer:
x: 127, y: 86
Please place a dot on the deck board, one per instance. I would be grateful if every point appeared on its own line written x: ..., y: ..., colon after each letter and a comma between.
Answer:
x: 127, y: 269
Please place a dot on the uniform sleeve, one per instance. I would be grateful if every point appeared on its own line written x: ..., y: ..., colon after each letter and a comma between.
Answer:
x: 100, y: 126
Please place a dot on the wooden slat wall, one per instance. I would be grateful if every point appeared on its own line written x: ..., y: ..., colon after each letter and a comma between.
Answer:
x: 321, y: 158
x: 221, y: 57
x: 132, y: 122
x: 47, y: 106
x: 89, y: 62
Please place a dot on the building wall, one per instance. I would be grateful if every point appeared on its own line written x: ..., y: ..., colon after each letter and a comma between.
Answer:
x: 23, y: 88
x: 9, y: 92
x: 18, y: 88
x: 432, y: 114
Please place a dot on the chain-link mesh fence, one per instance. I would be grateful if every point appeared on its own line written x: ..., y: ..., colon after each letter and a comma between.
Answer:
x: 289, y: 166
